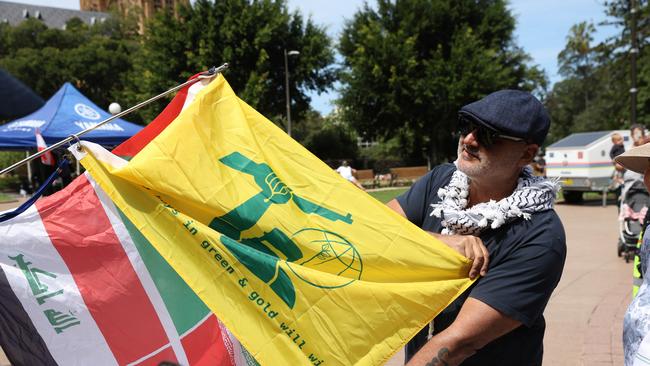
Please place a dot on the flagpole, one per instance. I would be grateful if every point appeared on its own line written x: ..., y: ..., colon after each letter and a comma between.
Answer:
x: 75, y: 137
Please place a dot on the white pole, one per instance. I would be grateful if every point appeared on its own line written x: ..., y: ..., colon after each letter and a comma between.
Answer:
x: 29, y: 170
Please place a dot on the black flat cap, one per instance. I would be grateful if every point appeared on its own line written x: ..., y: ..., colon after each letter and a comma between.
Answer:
x: 511, y: 112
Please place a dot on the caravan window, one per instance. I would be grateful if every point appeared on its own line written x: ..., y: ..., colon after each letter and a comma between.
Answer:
x: 602, y: 152
x: 626, y: 138
x: 551, y: 155
x: 580, y: 155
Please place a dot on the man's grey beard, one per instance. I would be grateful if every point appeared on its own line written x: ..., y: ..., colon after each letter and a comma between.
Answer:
x: 475, y: 170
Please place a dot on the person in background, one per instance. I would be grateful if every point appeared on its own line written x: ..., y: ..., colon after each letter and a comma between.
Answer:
x: 638, y: 135
x: 346, y: 171
x: 636, y: 323
x: 617, y: 176
x: 617, y: 148
x: 639, y: 138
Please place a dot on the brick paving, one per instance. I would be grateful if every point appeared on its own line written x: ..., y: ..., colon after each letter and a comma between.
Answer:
x: 585, y: 314
x: 11, y: 204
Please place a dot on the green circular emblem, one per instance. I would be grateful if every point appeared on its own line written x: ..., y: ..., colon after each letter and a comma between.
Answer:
x: 327, y: 252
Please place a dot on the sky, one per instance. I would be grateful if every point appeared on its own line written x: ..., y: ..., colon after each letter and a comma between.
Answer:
x: 542, y: 27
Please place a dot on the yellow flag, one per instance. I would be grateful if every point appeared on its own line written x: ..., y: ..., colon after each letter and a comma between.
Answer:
x: 302, y: 266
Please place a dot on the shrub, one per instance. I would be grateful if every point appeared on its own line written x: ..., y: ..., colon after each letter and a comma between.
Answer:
x: 10, y: 183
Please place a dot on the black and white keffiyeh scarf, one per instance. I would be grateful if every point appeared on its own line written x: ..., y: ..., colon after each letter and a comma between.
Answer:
x: 533, y: 194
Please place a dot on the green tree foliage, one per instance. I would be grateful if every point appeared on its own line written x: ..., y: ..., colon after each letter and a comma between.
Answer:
x: 410, y: 65
x: 7, y: 158
x: 251, y: 36
x: 329, y: 138
x: 594, y: 94
x: 91, y: 58
x: 577, y: 63
x: 577, y: 57
x: 332, y: 142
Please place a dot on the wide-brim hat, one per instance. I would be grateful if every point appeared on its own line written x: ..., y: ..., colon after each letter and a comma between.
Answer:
x: 636, y: 159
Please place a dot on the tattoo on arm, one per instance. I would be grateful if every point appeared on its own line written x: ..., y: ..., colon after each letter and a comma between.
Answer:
x: 441, y: 358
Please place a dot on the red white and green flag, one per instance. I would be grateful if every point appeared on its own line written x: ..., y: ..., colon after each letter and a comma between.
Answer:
x: 80, y: 285
x: 48, y: 157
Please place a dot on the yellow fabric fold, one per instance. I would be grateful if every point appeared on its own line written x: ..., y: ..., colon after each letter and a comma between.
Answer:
x: 302, y: 266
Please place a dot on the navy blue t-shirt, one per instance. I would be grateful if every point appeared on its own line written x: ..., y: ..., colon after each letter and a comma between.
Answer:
x: 526, y: 262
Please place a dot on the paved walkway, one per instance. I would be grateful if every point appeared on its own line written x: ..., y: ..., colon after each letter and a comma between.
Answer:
x: 11, y: 204
x: 584, y: 316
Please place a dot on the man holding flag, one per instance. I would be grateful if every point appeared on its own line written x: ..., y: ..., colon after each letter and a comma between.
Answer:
x: 300, y: 265
x: 223, y: 214
x: 491, y: 194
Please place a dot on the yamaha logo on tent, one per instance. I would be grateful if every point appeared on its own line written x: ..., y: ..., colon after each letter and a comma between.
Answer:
x: 86, y: 111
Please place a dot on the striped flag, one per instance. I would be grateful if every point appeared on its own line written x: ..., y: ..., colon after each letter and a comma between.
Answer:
x: 80, y: 285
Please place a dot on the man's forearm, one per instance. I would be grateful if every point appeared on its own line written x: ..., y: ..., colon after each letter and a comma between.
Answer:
x: 444, y: 349
x: 476, y: 325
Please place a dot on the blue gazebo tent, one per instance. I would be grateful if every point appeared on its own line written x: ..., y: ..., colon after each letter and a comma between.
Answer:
x: 66, y: 113
x: 16, y: 98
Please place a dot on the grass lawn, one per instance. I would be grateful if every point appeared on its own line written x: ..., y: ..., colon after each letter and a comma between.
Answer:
x: 5, y: 197
x: 388, y: 194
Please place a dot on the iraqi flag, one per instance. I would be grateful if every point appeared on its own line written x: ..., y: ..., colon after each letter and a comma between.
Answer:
x: 47, y: 158
x: 79, y: 285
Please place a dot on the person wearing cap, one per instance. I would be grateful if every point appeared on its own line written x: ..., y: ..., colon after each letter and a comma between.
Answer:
x: 636, y: 323
x: 488, y: 206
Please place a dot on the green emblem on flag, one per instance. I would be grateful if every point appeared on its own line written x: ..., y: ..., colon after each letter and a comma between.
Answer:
x: 58, y: 319
x: 330, y: 252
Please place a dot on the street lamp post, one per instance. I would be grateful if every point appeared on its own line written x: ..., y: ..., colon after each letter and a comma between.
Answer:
x: 286, y: 85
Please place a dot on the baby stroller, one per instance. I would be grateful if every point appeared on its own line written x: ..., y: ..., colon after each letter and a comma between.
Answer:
x: 634, y: 204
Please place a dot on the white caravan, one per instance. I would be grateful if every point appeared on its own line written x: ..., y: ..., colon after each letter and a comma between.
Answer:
x: 581, y: 161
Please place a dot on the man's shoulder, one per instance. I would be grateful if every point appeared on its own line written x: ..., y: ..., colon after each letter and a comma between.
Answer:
x: 546, y: 217
x: 542, y: 228
x: 444, y: 168
x: 441, y: 173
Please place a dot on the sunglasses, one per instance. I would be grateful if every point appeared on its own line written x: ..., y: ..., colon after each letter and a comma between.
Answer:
x: 486, y: 137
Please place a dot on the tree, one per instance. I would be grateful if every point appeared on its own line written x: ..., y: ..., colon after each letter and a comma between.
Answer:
x: 577, y: 64
x: 332, y: 142
x: 577, y: 57
x: 410, y: 65
x: 576, y: 60
x: 251, y: 36
x: 595, y: 94
x: 92, y: 58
